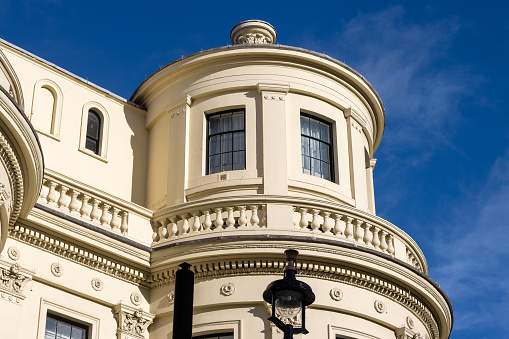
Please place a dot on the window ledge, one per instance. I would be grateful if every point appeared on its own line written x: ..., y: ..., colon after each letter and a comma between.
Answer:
x: 92, y: 154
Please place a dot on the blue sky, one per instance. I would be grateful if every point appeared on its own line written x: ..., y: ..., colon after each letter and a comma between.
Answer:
x: 440, y: 68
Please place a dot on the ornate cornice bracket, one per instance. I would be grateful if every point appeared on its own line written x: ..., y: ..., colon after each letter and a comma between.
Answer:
x: 13, y: 280
x: 132, y: 322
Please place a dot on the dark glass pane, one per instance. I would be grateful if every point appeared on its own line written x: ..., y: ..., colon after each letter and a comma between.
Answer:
x: 51, y: 328
x: 314, y: 147
x: 215, y: 145
x: 324, y: 132
x: 63, y: 331
x: 306, y: 164
x: 326, y: 171
x: 238, y: 121
x: 214, y: 164
x: 91, y: 145
x: 324, y: 152
x: 315, y: 167
x: 226, y: 122
x: 314, y: 127
x: 239, y: 160
x: 226, y: 162
x: 304, y: 145
x: 304, y: 125
x: 226, y: 142
x: 93, y: 126
x: 239, y: 144
x: 78, y: 333
x: 214, y: 124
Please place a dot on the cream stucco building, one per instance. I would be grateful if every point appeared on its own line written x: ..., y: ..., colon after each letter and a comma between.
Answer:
x: 222, y: 159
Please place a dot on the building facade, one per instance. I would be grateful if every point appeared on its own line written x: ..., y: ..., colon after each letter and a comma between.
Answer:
x: 223, y: 159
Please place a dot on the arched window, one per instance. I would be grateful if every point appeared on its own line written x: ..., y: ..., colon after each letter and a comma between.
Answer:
x: 93, y: 141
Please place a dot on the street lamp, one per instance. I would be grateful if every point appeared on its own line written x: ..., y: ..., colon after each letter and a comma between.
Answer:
x: 289, y: 298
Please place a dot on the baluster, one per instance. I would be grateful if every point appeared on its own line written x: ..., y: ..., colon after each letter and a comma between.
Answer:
x: 95, y: 214
x: 219, y: 218
x: 185, y: 224
x: 85, y: 207
x: 115, y: 220
x: 173, y: 226
x: 294, y: 219
x: 339, y: 225
x: 368, y: 236
x: 62, y: 200
x: 303, y: 223
x: 42, y: 192
x: 315, y: 223
x: 123, y: 225
x: 207, y: 224
x: 155, y: 233
x: 105, y: 218
x: 326, y: 223
x: 359, y: 232
x: 73, y: 205
x: 390, y: 246
x: 349, y: 228
x: 383, y: 241
x: 254, y: 215
x: 376, y: 238
x: 52, y: 193
x: 264, y: 215
x: 242, y: 217
x: 230, y: 220
x: 196, y: 222
x: 163, y: 230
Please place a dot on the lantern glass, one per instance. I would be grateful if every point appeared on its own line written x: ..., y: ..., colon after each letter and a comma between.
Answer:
x: 289, y: 303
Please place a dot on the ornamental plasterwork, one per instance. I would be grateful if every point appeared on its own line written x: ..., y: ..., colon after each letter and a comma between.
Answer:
x: 135, y: 298
x: 13, y: 253
x: 57, y: 269
x: 253, y: 38
x: 171, y: 297
x: 410, y: 322
x: 406, y: 333
x: 11, y: 164
x: 12, y: 280
x: 336, y: 294
x: 97, y: 284
x: 379, y: 306
x: 132, y: 323
x: 227, y: 289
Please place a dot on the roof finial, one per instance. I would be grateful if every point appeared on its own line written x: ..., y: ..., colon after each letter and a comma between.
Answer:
x: 253, y: 32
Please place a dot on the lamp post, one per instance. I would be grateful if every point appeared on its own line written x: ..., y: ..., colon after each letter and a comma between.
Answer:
x: 289, y: 298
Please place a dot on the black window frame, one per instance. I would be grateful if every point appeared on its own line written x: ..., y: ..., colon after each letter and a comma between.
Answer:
x: 214, y: 335
x: 67, y: 321
x: 209, y: 136
x: 330, y: 144
x: 88, y: 137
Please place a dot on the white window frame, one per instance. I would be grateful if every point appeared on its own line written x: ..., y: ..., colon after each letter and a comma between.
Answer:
x: 56, y: 117
x: 234, y: 326
x: 105, y: 123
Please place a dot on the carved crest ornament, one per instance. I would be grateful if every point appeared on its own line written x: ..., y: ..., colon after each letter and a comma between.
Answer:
x: 12, y: 279
x: 132, y: 323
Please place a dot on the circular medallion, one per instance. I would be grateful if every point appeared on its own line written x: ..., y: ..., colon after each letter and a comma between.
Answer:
x: 410, y: 322
x: 379, y: 306
x: 97, y: 284
x: 135, y: 298
x: 227, y: 289
x: 171, y: 297
x: 336, y: 294
x: 13, y: 253
x: 57, y: 269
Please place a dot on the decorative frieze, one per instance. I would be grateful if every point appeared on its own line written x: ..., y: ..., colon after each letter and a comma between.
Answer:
x: 132, y: 323
x: 12, y: 280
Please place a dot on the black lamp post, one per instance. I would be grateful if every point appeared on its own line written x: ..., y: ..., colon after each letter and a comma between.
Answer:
x: 289, y: 298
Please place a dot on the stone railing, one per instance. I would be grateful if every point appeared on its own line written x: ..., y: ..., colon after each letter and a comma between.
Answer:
x: 79, y: 202
x: 208, y: 219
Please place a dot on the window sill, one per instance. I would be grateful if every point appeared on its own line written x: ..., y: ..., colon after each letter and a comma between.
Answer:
x: 92, y: 154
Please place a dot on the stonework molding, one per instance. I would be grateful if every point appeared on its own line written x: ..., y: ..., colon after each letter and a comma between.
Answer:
x: 410, y: 322
x: 13, y: 253
x: 227, y: 289
x: 132, y: 323
x: 13, y: 168
x: 15, y: 86
x: 97, y: 284
x: 379, y: 306
x: 407, y: 333
x: 135, y: 298
x: 336, y: 294
x: 57, y: 269
x: 171, y: 297
x: 253, y: 32
x: 12, y: 280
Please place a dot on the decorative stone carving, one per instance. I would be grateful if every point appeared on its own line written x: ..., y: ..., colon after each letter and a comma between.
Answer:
x: 13, y: 253
x: 253, y: 32
x: 12, y: 280
x: 227, y: 289
x: 171, y: 297
x: 136, y: 298
x: 57, y: 269
x: 410, y: 322
x: 379, y: 306
x: 132, y: 323
x: 336, y: 294
x: 97, y: 284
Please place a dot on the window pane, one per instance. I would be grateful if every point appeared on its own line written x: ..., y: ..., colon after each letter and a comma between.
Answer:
x: 215, y: 145
x: 315, y: 167
x: 93, y: 129
x: 324, y: 132
x: 239, y: 160
x: 238, y: 141
x: 314, y: 147
x: 306, y: 164
x: 304, y: 125
x: 214, y: 124
x: 51, y: 328
x: 326, y: 171
x: 78, y: 333
x: 214, y: 164
x: 238, y: 121
x: 91, y: 145
x: 226, y: 122
x: 226, y: 162
x: 63, y: 330
x: 304, y: 145
x: 324, y: 152
x: 226, y: 142
x: 314, y: 127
